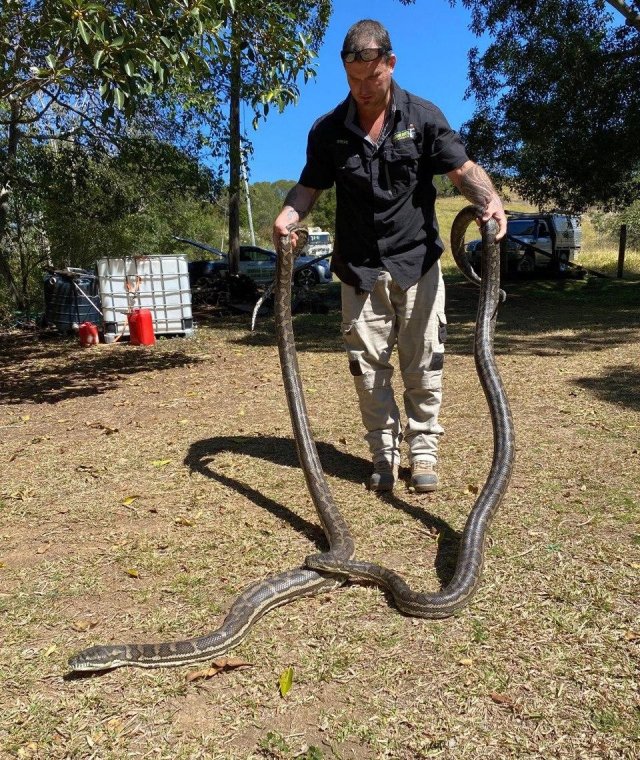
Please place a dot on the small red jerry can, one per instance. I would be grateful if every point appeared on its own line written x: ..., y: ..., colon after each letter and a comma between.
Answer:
x: 88, y: 334
x: 141, y: 327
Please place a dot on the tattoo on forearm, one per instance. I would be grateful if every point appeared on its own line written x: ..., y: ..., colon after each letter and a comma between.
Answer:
x: 477, y: 187
x: 300, y: 202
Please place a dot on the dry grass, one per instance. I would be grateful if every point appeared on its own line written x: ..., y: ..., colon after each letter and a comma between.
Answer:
x: 541, y: 665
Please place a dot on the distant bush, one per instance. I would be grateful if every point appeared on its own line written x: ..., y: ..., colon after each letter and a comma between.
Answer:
x: 607, y: 225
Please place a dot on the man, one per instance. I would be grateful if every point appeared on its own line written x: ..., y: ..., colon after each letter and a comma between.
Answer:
x: 381, y: 148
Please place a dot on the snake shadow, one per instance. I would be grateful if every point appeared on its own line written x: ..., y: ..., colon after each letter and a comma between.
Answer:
x: 339, y: 464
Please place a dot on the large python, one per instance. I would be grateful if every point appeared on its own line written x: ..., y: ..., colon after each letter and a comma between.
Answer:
x: 260, y: 597
x: 329, y: 570
x: 471, y: 553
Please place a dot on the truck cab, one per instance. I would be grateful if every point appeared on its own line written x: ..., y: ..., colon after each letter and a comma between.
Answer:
x: 536, y: 241
x: 319, y: 243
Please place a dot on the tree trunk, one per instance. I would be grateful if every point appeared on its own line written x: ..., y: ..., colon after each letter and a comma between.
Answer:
x: 234, y: 152
x: 5, y: 194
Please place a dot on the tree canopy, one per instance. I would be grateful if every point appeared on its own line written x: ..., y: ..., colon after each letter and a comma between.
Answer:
x: 558, y: 113
x: 76, y: 74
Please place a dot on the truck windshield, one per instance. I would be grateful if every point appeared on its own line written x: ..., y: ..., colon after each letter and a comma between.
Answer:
x: 520, y: 227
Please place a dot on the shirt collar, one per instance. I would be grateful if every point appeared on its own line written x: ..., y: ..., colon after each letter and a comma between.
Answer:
x: 351, y: 118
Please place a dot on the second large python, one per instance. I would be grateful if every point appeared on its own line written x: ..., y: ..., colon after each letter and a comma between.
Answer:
x: 329, y: 570
x: 470, y: 559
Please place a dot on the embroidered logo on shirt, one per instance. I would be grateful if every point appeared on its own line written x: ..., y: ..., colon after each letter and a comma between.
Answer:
x: 405, y: 134
x: 340, y: 141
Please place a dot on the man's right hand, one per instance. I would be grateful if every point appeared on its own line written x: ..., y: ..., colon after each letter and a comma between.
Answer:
x: 284, y: 223
x: 297, y: 205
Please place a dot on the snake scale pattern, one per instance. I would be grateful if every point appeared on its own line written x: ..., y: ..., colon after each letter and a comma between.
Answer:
x: 327, y: 571
x: 468, y: 571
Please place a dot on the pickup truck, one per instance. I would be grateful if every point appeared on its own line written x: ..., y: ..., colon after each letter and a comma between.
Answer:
x: 549, y: 241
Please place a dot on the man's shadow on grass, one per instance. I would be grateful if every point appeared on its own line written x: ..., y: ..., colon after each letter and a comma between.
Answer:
x: 336, y: 463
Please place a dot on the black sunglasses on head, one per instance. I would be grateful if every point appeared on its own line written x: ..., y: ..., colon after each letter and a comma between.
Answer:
x: 368, y: 54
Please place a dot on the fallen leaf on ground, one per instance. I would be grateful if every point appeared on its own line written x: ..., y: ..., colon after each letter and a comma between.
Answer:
x: 50, y: 650
x: 131, y: 571
x: 128, y: 500
x: 286, y: 681
x: 217, y: 666
x: 501, y: 699
x: 472, y: 488
x: 231, y: 662
x: 160, y: 462
x: 205, y: 673
x: 82, y: 625
x: 465, y: 661
x: 632, y: 635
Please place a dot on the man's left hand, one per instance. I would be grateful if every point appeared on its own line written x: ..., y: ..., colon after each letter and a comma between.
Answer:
x: 495, y: 210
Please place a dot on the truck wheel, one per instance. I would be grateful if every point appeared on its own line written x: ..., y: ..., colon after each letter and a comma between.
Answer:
x: 307, y: 278
x: 561, y: 263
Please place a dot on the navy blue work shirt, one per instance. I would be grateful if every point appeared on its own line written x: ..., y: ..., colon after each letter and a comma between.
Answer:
x: 385, y: 213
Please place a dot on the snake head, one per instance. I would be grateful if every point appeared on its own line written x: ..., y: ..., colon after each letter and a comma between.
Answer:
x: 98, y: 658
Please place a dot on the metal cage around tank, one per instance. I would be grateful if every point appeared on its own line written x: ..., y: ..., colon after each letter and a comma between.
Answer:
x: 158, y: 283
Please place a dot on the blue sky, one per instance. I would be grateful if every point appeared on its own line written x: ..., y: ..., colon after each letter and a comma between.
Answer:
x: 431, y: 40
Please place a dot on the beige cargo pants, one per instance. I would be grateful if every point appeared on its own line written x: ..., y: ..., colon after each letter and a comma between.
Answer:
x: 414, y: 320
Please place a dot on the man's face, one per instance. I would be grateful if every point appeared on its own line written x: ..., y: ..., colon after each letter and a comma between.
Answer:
x: 370, y: 81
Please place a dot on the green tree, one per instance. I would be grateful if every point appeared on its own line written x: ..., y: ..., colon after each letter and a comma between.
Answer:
x: 72, y: 68
x: 77, y: 68
x: 608, y: 224
x: 558, y: 116
x: 266, y: 201
x: 324, y: 212
x: 95, y: 204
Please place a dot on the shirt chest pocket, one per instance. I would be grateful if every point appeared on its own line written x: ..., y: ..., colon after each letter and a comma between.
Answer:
x: 350, y: 170
x: 399, y: 170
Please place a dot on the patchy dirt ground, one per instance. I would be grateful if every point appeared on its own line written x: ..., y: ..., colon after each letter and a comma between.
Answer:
x: 143, y: 488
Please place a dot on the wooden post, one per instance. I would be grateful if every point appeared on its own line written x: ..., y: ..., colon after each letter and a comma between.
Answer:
x: 621, y: 250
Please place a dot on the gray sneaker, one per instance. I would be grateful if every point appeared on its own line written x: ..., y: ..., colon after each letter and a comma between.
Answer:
x: 423, y: 476
x: 384, y: 476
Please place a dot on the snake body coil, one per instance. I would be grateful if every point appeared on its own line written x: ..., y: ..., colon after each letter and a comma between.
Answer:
x: 471, y: 553
x: 328, y: 571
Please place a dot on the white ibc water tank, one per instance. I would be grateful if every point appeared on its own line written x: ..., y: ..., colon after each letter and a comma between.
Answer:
x: 157, y: 283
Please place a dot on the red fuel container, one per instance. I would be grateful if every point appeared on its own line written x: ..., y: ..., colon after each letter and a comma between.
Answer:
x: 141, y: 327
x: 88, y: 334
